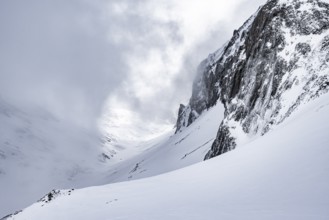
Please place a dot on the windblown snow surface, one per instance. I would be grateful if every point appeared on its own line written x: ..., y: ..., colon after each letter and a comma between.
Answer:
x: 282, y: 175
x: 33, y: 160
x: 170, y: 151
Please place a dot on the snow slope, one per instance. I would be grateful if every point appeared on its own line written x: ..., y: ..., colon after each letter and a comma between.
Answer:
x: 170, y: 151
x: 39, y: 152
x: 282, y: 175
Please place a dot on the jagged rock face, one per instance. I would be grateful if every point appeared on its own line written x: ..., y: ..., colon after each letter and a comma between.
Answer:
x: 204, y: 92
x: 275, y: 62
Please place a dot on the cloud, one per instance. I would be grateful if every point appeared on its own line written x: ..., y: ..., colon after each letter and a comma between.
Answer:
x: 56, y: 54
x: 167, y: 40
x: 71, y: 57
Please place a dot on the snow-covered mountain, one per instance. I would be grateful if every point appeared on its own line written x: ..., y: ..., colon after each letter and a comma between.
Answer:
x: 281, y: 175
x: 39, y: 152
x: 246, y: 88
x: 263, y: 93
x: 274, y: 63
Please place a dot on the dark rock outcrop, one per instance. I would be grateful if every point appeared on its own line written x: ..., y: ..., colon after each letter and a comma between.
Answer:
x: 276, y: 61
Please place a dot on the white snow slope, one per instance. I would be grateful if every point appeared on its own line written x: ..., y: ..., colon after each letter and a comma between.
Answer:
x: 282, y: 175
x: 170, y: 151
x: 38, y: 153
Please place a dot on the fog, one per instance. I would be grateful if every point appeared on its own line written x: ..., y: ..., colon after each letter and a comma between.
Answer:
x: 67, y: 65
x: 73, y: 57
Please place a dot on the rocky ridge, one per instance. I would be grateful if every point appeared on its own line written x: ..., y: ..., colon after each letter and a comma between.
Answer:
x: 274, y: 63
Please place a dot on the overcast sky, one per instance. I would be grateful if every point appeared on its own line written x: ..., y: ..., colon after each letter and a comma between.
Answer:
x: 73, y: 56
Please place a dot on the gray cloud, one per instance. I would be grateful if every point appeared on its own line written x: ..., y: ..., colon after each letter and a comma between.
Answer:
x: 155, y: 34
x: 56, y: 54
x: 69, y: 56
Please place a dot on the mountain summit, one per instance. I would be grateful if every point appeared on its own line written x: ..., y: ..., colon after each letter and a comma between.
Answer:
x: 274, y: 63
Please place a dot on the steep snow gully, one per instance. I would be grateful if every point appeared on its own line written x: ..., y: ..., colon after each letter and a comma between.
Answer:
x: 263, y: 94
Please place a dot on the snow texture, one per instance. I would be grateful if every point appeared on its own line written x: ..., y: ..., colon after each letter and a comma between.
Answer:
x: 263, y: 93
x: 282, y: 175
